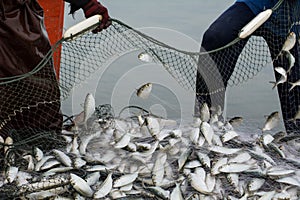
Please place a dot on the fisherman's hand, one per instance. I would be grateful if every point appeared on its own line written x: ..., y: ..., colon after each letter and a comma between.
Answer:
x: 93, y: 7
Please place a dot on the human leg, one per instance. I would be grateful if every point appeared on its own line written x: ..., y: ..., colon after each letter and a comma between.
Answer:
x: 215, y: 69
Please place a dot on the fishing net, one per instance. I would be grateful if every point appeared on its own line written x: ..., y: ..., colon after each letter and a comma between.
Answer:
x: 204, y: 73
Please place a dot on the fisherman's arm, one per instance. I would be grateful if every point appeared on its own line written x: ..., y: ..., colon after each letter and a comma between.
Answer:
x: 90, y: 8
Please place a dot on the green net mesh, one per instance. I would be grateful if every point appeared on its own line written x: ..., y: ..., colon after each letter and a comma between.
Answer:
x: 30, y: 100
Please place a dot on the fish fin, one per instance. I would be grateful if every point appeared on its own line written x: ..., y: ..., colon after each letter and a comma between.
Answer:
x: 274, y: 84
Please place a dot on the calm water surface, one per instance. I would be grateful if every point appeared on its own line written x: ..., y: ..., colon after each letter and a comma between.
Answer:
x: 180, y: 24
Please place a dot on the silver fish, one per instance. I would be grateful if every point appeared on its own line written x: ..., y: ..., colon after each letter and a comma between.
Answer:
x: 229, y: 135
x: 89, y: 107
x: 38, y: 154
x: 81, y: 186
x: 204, y: 159
x: 215, y: 167
x: 144, y: 91
x: 123, y: 142
x: 62, y: 157
x: 197, y: 181
x: 255, y: 184
x: 8, y: 142
x: 145, y: 57
x: 29, y: 159
x: 204, y: 113
x: 176, y: 193
x: 104, y: 188
x: 207, y: 132
x: 236, y: 121
x: 158, y: 170
x: 234, y: 167
x: 290, y: 180
x: 11, y: 173
x: 183, y: 158
x: 240, y: 158
x: 289, y: 42
x: 125, y: 180
x: 271, y: 122
x: 282, y: 79
x: 50, y: 164
x: 291, y: 60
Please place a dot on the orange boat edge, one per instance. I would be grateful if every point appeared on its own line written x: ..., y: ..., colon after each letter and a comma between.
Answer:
x: 54, y: 20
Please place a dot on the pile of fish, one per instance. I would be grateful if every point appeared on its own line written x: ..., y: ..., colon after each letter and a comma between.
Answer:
x: 152, y: 158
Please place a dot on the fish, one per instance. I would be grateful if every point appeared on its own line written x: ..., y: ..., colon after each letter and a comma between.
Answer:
x: 123, y: 142
x: 289, y: 42
x: 183, y: 158
x: 297, y: 83
x: 81, y: 186
x: 8, y: 143
x: 89, y: 107
x: 236, y: 121
x: 29, y: 159
x: 207, y: 132
x: 197, y: 181
x: 145, y: 57
x: 204, y: 159
x: 282, y: 79
x: 125, y: 180
x: 11, y: 173
x: 229, y: 135
x: 144, y: 91
x: 234, y: 167
x: 92, y: 178
x: 104, y: 188
x: 176, y: 193
x: 38, y: 154
x: 291, y: 60
x: 158, y: 170
x: 153, y: 126
x: 204, y: 112
x: 62, y: 157
x: 215, y: 167
x: 271, y: 121
x: 255, y: 184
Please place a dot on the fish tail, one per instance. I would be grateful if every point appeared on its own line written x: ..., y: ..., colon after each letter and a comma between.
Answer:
x: 293, y: 85
x: 274, y: 84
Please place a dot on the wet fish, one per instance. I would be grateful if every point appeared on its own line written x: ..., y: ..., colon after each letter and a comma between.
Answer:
x: 104, y: 188
x: 158, y: 170
x: 81, y: 186
x: 38, y: 154
x: 291, y: 60
x: 62, y: 157
x: 234, y: 167
x: 145, y: 57
x: 11, y: 173
x: 144, y: 91
x: 204, y: 112
x: 282, y: 79
x: 236, y: 121
x: 271, y: 121
x: 289, y: 42
x: 89, y: 107
x: 176, y: 193
x: 125, y: 180
x: 207, y: 132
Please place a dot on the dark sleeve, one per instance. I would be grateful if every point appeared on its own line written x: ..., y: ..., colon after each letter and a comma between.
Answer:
x: 76, y: 4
